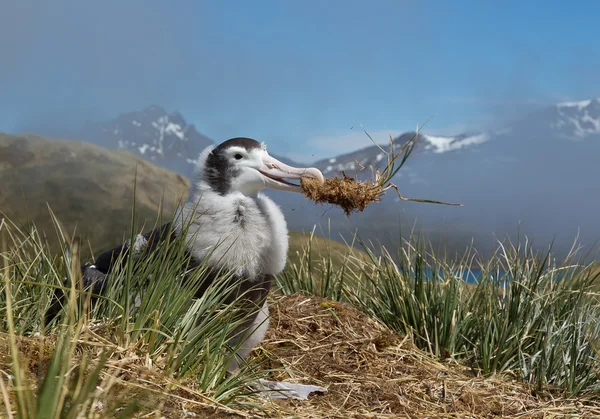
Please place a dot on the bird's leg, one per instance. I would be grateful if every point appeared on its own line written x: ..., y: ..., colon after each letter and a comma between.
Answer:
x: 267, y: 388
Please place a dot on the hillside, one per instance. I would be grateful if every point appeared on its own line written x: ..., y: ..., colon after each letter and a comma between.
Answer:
x: 88, y: 188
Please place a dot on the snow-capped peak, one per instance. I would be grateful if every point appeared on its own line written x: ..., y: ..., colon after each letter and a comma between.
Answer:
x: 375, y: 156
x: 439, y: 144
x: 577, y: 119
x: 579, y: 105
x: 156, y: 135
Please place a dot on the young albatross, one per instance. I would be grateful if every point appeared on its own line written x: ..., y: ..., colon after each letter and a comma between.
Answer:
x: 234, y: 227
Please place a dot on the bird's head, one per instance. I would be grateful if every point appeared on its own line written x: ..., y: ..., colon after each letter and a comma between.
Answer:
x: 243, y: 165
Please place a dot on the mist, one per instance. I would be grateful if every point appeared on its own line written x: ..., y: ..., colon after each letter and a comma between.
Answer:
x: 71, y: 62
x: 298, y: 76
x: 285, y: 72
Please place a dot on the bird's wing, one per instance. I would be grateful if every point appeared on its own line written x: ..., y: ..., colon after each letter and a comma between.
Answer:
x: 95, y: 273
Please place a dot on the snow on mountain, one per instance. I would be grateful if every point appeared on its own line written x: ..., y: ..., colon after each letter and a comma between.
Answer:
x: 576, y: 120
x: 445, y: 144
x: 374, y: 156
x: 579, y: 105
x: 156, y: 135
x: 566, y: 120
x: 163, y: 138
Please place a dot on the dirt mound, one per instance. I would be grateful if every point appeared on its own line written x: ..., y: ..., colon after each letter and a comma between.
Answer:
x: 370, y: 372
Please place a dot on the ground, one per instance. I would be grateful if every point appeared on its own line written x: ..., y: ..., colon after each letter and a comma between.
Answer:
x: 369, y: 373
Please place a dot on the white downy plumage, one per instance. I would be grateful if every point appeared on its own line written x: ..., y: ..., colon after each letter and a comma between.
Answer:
x: 235, y: 226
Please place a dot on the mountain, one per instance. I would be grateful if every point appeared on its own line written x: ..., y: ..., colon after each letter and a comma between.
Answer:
x: 537, y: 176
x: 353, y: 163
x: 156, y: 135
x: 569, y: 120
x: 153, y: 134
x: 167, y: 140
x: 575, y: 121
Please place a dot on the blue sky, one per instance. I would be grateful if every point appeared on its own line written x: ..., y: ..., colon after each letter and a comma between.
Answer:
x: 294, y: 73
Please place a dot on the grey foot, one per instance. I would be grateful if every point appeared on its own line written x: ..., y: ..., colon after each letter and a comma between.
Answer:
x: 285, y: 390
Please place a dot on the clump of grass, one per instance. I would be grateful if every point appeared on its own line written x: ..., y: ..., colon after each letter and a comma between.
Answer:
x: 317, y: 270
x: 353, y: 195
x: 68, y: 385
x: 344, y: 192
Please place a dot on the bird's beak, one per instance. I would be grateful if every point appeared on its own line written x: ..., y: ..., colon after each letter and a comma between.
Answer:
x: 275, y: 174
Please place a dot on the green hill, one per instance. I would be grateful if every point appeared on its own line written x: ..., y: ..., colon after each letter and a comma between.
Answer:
x: 320, y: 246
x: 88, y: 188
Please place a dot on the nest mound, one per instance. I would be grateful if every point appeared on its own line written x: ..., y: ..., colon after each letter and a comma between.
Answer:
x: 371, y: 372
x: 346, y: 192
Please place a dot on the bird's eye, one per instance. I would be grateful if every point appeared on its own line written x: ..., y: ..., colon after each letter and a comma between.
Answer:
x: 238, y: 156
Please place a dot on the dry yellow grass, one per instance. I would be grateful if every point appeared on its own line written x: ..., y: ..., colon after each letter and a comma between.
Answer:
x: 353, y: 195
x: 369, y: 373
x: 345, y: 192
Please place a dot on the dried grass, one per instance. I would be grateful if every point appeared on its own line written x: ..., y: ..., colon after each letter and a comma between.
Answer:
x: 353, y: 195
x: 344, y: 192
x: 369, y: 373
x: 127, y: 376
x: 373, y: 373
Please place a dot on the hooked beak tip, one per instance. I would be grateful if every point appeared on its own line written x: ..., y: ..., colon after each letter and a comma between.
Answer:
x: 315, y: 174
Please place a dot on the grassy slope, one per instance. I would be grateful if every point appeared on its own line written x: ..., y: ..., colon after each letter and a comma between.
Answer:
x: 87, y: 187
x: 319, y: 246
